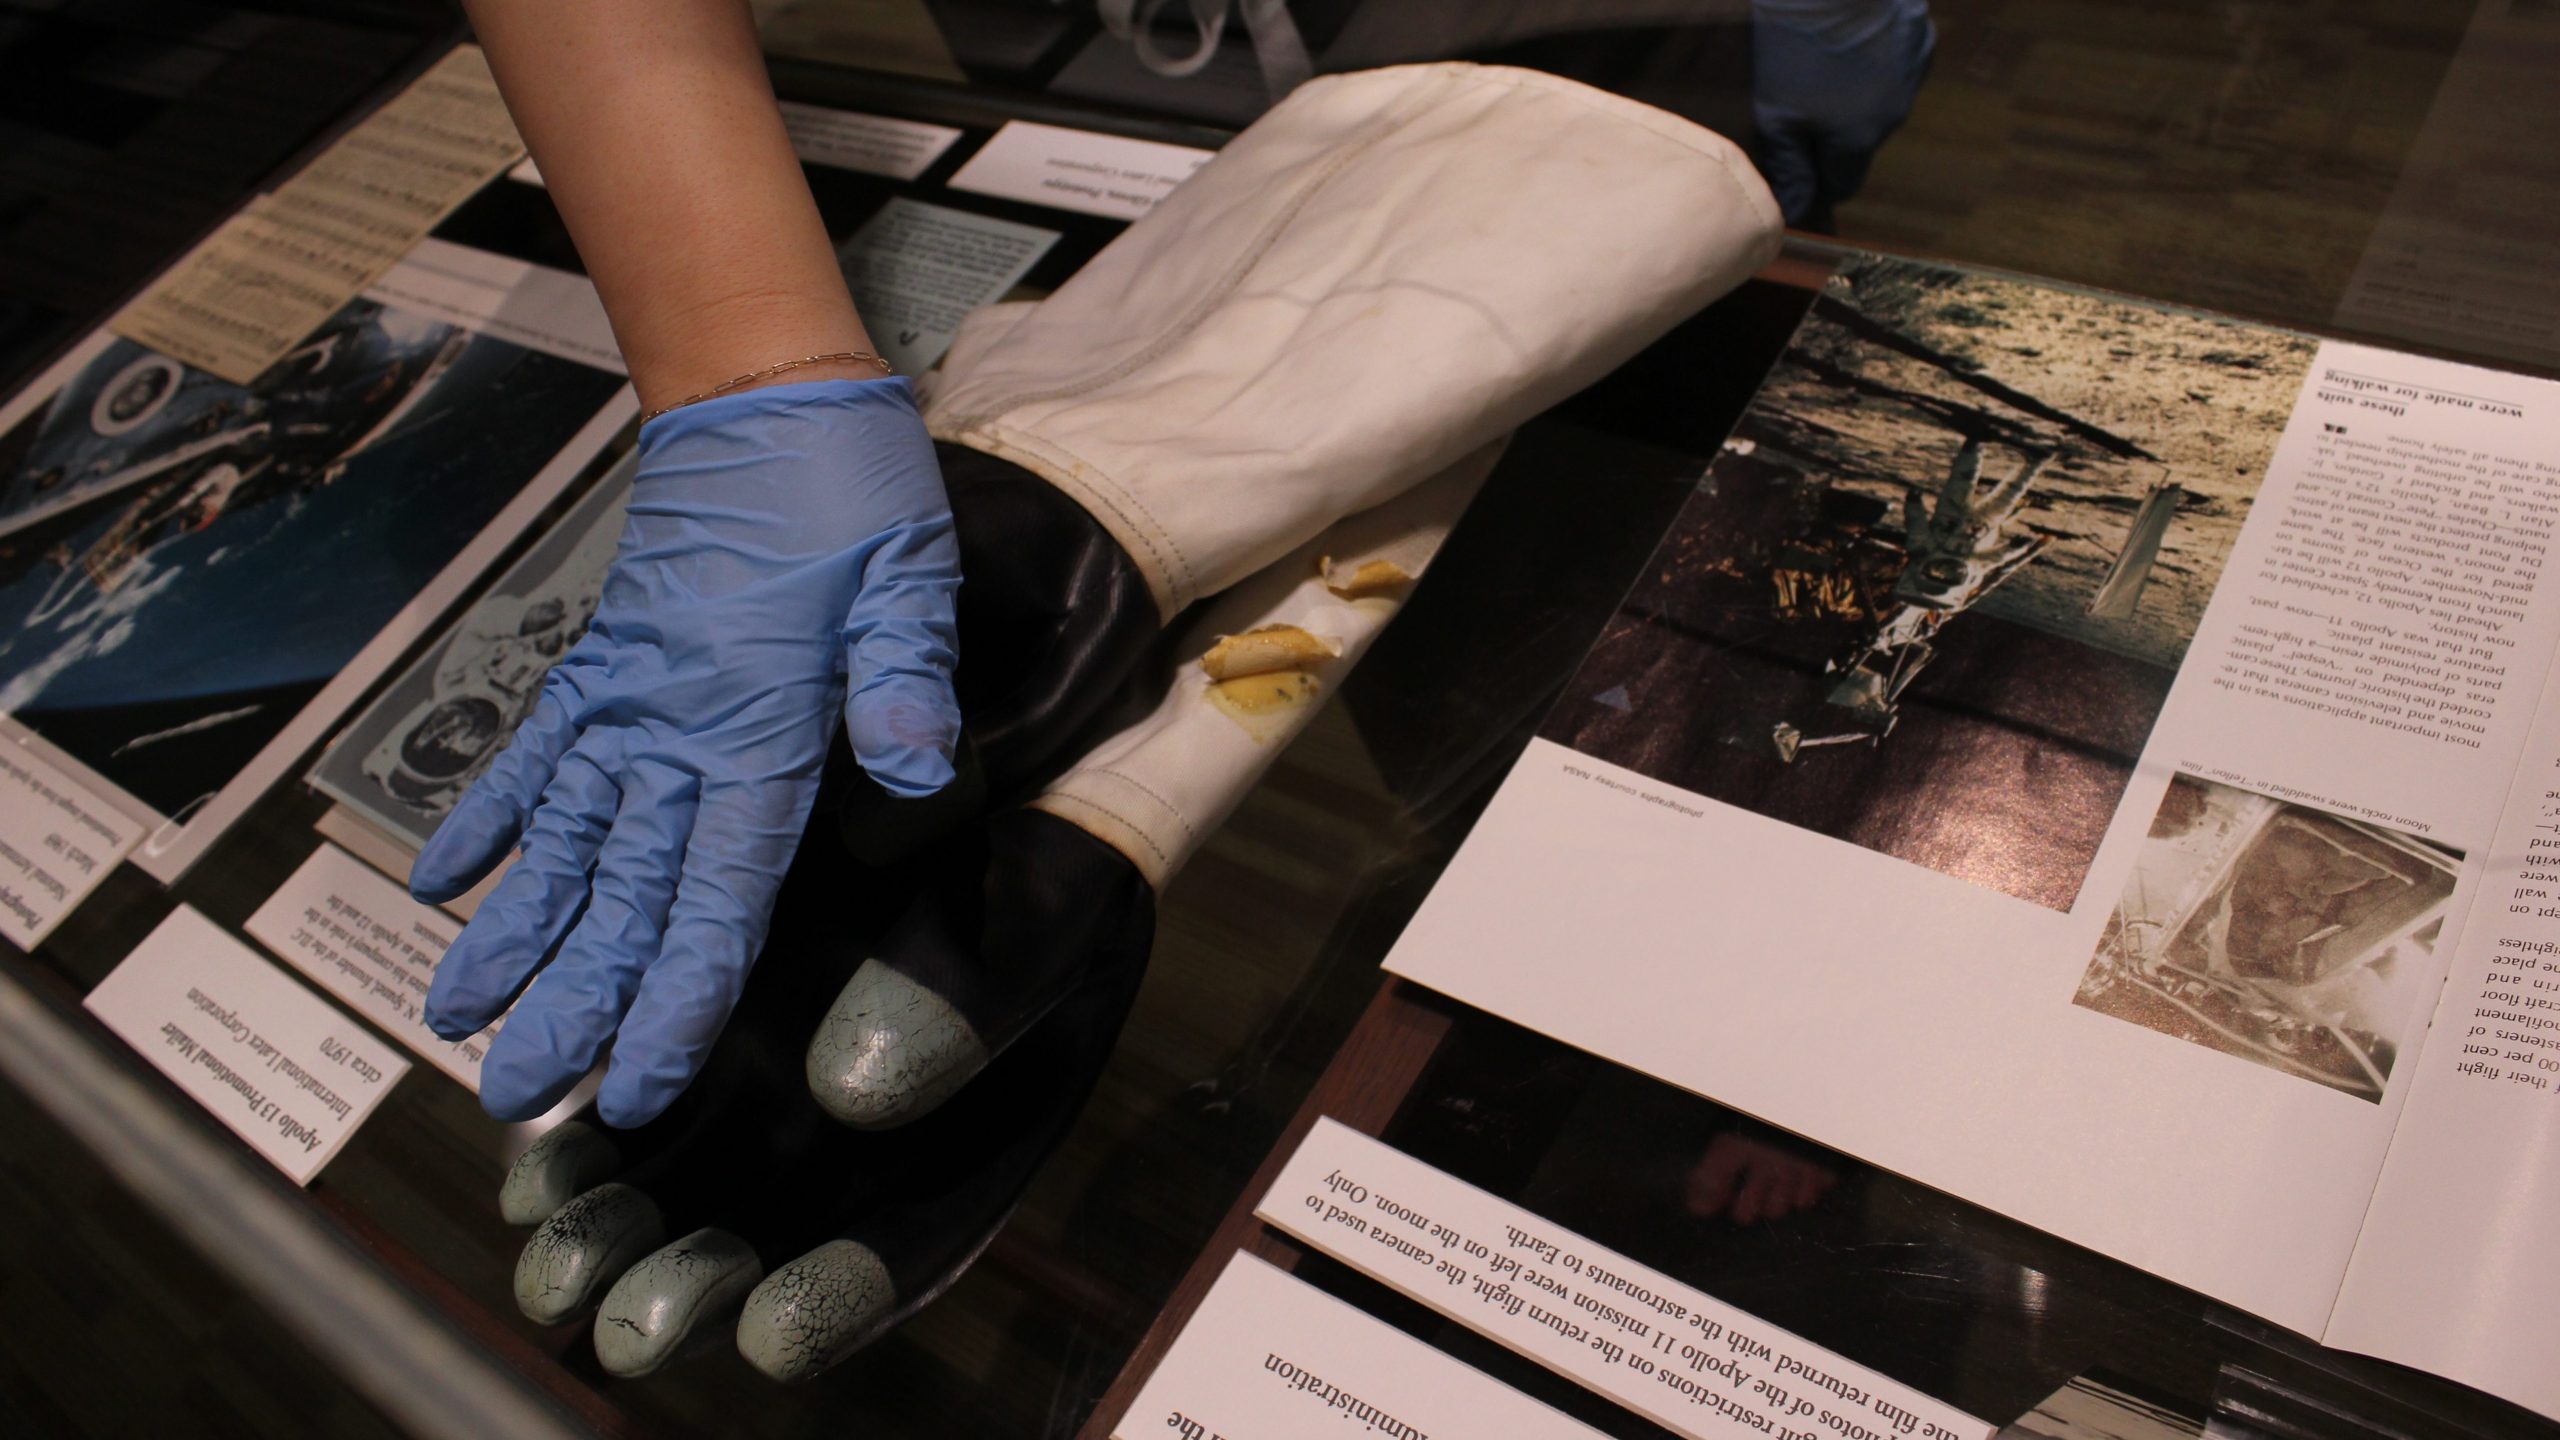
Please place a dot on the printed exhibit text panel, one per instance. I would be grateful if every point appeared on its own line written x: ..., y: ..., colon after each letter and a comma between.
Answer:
x: 362, y: 939
x: 2193, y: 1066
x: 1268, y: 1355
x: 2459, y: 1260
x: 57, y: 841
x: 1671, y: 1353
x: 2386, y: 618
x: 270, y: 277
x: 280, y: 1067
x: 1107, y: 175
x: 1914, y: 1020
x: 917, y: 270
x: 844, y: 139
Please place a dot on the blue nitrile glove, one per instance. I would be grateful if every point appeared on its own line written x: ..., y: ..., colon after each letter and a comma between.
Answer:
x: 785, y: 546
x: 1831, y: 81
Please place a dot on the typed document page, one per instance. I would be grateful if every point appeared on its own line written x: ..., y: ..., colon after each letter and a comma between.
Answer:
x: 2458, y: 1261
x: 2184, y: 1039
x: 276, y: 271
x: 2387, y: 616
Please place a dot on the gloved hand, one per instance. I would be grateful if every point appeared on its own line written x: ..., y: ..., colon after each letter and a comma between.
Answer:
x: 1335, y: 308
x: 948, y: 989
x: 788, y: 552
x: 973, y: 1026
x: 1831, y: 81
x: 745, y: 1202
x: 1055, y: 617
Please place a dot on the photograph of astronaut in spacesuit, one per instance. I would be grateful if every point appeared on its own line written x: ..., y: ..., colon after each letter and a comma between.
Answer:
x: 1932, y: 595
x: 403, y: 762
x: 167, y: 604
x: 1958, y: 544
x: 2300, y: 940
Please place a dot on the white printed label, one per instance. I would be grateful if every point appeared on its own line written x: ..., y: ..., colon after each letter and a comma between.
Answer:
x: 871, y: 144
x: 57, y: 841
x: 277, y: 1064
x: 531, y: 305
x: 1078, y: 170
x: 1271, y: 1357
x: 1671, y: 1353
x: 917, y: 270
x: 362, y: 939
x: 842, y: 140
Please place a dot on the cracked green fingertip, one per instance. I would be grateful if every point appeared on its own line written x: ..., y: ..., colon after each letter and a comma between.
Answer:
x: 890, y: 1050
x: 655, y: 1311
x: 581, y: 1248
x: 812, y: 1313
x: 569, y: 1159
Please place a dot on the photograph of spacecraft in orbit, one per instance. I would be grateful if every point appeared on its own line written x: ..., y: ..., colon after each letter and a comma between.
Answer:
x: 186, y: 561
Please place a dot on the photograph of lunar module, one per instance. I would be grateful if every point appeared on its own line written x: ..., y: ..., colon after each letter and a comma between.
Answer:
x: 1930, y: 598
x: 1956, y: 547
x: 404, y: 762
x: 2300, y: 940
x: 186, y: 562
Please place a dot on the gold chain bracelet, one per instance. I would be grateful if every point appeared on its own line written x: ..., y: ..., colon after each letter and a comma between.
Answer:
x: 841, y: 357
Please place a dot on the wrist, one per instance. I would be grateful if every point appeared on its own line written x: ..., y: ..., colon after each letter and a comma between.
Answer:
x: 720, y: 334
x: 841, y: 365
x: 791, y: 417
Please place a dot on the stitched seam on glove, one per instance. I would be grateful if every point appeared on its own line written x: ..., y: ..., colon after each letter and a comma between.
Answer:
x: 1683, y: 133
x: 1170, y: 580
x: 1190, y: 833
x: 1163, y: 862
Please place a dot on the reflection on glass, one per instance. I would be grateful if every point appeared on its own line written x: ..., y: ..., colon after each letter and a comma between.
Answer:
x: 1831, y: 81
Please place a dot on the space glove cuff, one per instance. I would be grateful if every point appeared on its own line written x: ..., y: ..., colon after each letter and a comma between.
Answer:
x: 1253, y: 671
x: 1384, y: 273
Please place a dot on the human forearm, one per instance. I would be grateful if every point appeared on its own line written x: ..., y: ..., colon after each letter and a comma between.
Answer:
x: 657, y: 133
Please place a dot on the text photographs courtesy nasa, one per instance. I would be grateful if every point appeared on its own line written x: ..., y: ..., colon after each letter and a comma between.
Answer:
x: 1930, y: 599
x: 243, y: 542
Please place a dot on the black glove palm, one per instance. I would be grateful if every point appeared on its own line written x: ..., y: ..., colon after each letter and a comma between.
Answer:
x: 816, y: 1237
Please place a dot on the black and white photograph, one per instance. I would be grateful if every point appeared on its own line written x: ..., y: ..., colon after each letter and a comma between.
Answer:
x: 404, y: 761
x: 1932, y: 595
x: 237, y: 546
x: 2294, y: 938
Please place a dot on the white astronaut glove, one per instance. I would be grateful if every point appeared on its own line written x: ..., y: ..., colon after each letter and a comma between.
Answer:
x: 1385, y: 272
